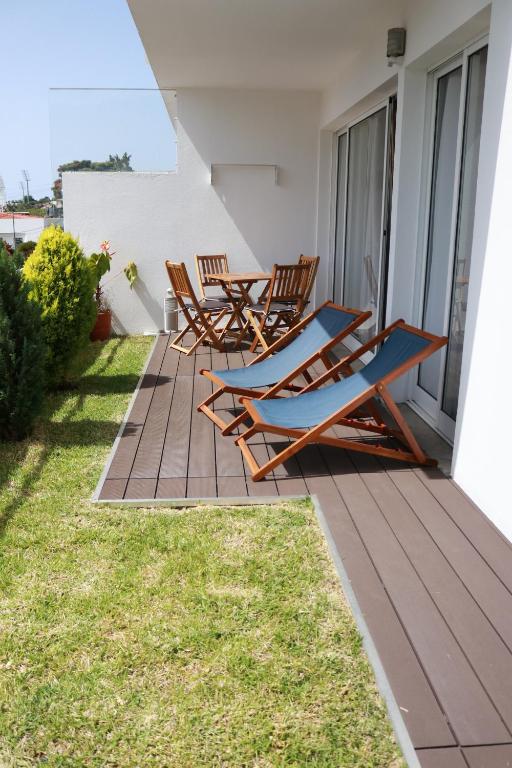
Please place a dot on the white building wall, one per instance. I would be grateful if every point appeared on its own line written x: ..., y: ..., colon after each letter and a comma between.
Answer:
x: 153, y: 216
x: 26, y: 229
x: 482, y: 448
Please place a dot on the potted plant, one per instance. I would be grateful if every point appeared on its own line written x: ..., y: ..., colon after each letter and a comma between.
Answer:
x: 100, y: 264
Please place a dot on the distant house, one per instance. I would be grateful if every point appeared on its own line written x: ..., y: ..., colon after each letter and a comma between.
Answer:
x: 16, y: 228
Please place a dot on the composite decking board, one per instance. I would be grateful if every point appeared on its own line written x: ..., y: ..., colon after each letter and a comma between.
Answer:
x: 113, y: 489
x: 140, y: 488
x: 233, y: 487
x: 421, y: 712
x: 479, y: 579
x: 490, y: 542
x: 176, y: 444
x: 441, y: 758
x: 498, y: 756
x: 229, y: 459
x: 291, y: 486
x: 149, y: 451
x: 201, y: 487
x: 471, y: 712
x: 201, y: 460
x: 485, y: 650
x: 266, y: 487
x: 171, y: 488
x: 122, y: 461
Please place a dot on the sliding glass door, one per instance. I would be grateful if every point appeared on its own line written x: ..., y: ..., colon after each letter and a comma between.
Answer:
x: 458, y: 91
x: 360, y: 251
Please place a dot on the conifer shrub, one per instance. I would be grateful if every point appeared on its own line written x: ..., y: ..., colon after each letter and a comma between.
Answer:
x: 23, y: 251
x: 60, y: 282
x: 22, y: 353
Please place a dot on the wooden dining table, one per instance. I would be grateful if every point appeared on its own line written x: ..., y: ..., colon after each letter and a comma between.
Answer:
x: 236, y: 286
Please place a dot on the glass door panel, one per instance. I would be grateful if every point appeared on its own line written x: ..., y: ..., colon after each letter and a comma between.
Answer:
x: 458, y: 102
x: 441, y: 214
x: 364, y: 209
x: 469, y: 170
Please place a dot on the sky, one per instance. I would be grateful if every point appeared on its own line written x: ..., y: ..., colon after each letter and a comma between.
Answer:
x: 76, y: 44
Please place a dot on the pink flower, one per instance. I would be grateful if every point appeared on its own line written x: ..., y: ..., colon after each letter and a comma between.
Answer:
x: 105, y: 246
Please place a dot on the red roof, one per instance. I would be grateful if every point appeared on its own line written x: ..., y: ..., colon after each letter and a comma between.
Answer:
x: 18, y: 216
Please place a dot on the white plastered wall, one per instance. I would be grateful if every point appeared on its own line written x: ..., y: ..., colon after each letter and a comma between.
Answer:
x: 149, y: 217
x: 482, y: 443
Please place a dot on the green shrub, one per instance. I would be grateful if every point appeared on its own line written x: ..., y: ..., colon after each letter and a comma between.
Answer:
x: 22, y: 353
x: 23, y: 251
x: 60, y: 282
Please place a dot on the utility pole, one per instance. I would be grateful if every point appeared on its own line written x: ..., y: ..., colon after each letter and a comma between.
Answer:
x: 22, y: 191
x: 27, y: 179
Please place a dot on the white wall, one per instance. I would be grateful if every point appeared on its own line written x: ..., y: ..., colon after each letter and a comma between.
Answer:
x: 151, y: 217
x: 26, y: 228
x: 482, y: 455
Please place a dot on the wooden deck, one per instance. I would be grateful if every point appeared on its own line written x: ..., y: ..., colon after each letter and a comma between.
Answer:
x: 432, y: 578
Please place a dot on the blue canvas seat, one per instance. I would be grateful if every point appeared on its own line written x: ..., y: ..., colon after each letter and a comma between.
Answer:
x: 307, y: 416
x: 277, y: 367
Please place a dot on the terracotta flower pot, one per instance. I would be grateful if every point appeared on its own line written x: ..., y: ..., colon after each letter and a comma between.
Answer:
x: 102, y: 327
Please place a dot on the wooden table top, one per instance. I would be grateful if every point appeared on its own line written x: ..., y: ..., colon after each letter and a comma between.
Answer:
x: 239, y: 277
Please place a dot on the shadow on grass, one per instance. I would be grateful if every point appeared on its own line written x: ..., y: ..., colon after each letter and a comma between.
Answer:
x: 72, y: 430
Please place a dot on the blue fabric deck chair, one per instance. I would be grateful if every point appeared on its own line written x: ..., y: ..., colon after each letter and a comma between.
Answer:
x: 351, y: 402
x: 305, y: 345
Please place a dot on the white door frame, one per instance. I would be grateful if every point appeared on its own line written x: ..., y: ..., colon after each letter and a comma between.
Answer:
x: 429, y: 407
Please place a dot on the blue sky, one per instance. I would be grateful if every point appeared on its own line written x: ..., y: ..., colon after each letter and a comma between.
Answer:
x: 76, y: 44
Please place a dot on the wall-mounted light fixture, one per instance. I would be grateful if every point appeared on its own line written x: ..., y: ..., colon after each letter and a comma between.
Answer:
x: 396, y: 44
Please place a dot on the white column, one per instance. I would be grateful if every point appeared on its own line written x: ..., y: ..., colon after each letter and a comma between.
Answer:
x: 483, y: 443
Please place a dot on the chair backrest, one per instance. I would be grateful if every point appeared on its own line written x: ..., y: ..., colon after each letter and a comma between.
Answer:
x: 288, y: 284
x: 404, y: 347
x: 180, y: 283
x: 207, y: 265
x: 312, y: 262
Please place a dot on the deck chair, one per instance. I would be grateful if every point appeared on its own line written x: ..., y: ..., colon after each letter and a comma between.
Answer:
x: 202, y: 317
x: 282, y: 307
x: 277, y: 367
x: 307, y: 417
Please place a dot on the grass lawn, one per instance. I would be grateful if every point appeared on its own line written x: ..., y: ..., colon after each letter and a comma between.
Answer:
x: 199, y: 637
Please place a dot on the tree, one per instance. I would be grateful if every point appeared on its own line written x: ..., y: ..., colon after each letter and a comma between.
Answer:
x: 114, y: 163
x: 22, y: 353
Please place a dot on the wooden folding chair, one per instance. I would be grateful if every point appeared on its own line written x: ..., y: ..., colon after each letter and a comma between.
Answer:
x: 207, y: 265
x: 283, y: 306
x: 202, y: 316
x: 306, y: 417
x: 289, y: 358
x: 313, y: 263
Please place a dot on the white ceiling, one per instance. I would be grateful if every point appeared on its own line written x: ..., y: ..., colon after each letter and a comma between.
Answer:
x: 258, y: 43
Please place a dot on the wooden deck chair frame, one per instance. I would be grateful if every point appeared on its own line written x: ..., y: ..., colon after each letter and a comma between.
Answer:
x: 313, y: 263
x: 288, y: 285
x: 199, y: 318
x: 349, y: 414
x: 286, y: 383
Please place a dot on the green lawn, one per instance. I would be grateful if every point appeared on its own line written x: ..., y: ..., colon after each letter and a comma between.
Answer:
x: 201, y: 637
